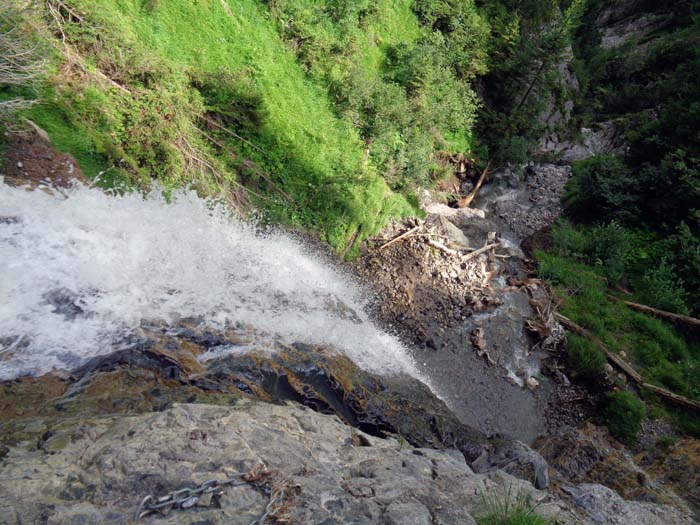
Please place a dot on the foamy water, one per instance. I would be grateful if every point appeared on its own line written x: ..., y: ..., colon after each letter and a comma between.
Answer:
x: 124, y: 259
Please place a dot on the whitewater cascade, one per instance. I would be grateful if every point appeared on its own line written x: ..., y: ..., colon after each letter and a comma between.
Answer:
x: 82, y: 269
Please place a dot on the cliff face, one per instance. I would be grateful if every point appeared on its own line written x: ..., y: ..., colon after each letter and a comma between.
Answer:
x: 615, y: 47
x: 623, y: 22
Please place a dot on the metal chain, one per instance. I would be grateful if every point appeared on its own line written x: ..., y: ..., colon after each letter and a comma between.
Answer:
x: 187, y: 497
x: 268, y: 510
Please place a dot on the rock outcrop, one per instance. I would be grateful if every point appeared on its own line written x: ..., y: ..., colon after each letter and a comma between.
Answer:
x: 185, y: 362
x: 316, y: 469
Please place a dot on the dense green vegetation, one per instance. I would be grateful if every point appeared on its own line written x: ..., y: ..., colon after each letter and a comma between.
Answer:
x: 660, y: 353
x: 634, y: 225
x: 329, y: 115
x: 322, y: 111
x: 624, y: 414
x: 402, y: 83
x: 216, y: 103
x: 580, y: 265
x: 652, y: 192
x: 530, y: 40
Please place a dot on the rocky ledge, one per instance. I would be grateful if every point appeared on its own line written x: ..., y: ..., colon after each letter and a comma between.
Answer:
x: 300, y: 466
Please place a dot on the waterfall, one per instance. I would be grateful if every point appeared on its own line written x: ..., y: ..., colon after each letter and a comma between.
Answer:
x: 83, y: 268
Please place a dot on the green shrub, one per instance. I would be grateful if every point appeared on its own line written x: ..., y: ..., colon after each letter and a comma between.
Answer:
x: 623, y: 415
x: 584, y: 357
x: 602, y: 188
x: 395, y: 79
x: 466, y: 33
x: 612, y: 247
x: 569, y: 241
x: 685, y: 246
x: 660, y: 286
x: 508, y: 508
x: 652, y: 328
x: 648, y: 352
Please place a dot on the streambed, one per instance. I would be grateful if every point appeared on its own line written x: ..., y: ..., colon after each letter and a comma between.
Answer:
x: 466, y: 325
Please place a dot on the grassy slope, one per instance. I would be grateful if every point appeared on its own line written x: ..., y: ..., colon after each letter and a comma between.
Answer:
x: 642, y: 256
x: 654, y: 347
x: 310, y: 153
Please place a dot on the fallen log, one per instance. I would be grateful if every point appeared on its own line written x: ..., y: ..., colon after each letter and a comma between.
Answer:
x: 670, y: 316
x: 688, y: 403
x: 612, y: 356
x: 626, y: 367
x: 478, y: 252
x: 464, y: 202
x: 402, y: 236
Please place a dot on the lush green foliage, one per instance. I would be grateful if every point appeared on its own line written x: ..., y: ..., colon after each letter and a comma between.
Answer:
x: 581, y: 266
x: 510, y: 508
x: 623, y: 415
x: 312, y: 107
x: 660, y: 263
x: 585, y: 357
x: 628, y: 259
x: 638, y: 220
x: 403, y: 82
x: 653, y: 191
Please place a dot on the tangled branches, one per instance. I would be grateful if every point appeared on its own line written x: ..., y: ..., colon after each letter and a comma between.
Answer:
x: 20, y: 62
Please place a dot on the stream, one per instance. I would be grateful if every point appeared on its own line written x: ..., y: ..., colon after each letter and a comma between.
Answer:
x: 470, y: 339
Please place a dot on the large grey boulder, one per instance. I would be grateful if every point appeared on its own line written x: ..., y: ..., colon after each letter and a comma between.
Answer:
x: 604, y: 506
x: 98, y: 469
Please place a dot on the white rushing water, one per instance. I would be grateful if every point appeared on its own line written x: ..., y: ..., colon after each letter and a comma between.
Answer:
x: 124, y: 259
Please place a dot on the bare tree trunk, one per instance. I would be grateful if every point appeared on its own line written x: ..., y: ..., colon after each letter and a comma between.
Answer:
x: 531, y: 86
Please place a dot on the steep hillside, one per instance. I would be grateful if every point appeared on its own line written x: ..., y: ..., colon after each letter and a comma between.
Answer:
x: 318, y: 110
x: 634, y: 229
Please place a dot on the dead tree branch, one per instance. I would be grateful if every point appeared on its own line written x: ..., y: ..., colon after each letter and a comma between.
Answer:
x: 669, y: 316
x: 626, y: 367
x: 478, y: 252
x: 400, y: 237
x: 466, y: 201
x: 441, y: 247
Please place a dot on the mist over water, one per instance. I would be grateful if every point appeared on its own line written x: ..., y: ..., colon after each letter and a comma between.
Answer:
x: 82, y: 269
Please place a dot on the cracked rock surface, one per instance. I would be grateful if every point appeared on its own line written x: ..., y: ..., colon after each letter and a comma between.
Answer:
x: 98, y: 469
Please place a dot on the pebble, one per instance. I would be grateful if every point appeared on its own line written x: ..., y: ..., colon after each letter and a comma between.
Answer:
x: 532, y: 383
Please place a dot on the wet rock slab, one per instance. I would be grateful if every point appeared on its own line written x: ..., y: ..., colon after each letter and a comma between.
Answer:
x: 186, y: 363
